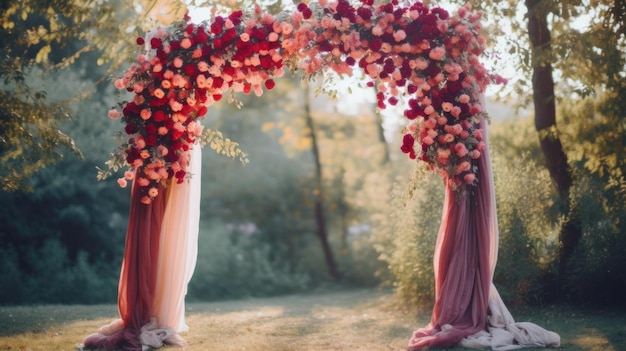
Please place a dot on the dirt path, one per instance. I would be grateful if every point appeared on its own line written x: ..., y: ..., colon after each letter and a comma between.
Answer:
x: 330, y: 321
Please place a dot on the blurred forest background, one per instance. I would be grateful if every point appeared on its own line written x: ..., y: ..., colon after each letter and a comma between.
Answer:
x: 327, y: 198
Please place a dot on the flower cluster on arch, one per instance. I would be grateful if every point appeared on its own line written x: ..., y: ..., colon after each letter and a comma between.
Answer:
x: 422, y: 57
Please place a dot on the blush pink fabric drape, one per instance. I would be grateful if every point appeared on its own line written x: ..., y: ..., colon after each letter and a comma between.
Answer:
x: 159, y: 259
x: 468, y: 309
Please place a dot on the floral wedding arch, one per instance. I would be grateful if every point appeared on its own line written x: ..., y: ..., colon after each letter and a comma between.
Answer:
x: 424, y: 58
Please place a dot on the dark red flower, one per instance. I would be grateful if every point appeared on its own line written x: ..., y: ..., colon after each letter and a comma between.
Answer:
x: 159, y: 116
x: 189, y: 69
x: 235, y: 17
x: 130, y: 129
x: 156, y: 43
x: 218, y: 82
x: 151, y: 140
x: 140, y: 41
x: 266, y: 62
x: 229, y: 35
x: 151, y: 129
x: 269, y: 84
x: 365, y: 13
x: 216, y: 28
x: 202, y: 111
x: 375, y: 44
x: 180, y: 175
x: 201, y: 37
x: 190, y: 28
x: 441, y: 13
x: 217, y: 43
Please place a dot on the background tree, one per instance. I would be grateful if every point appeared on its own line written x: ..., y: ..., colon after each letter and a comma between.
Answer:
x: 37, y: 37
x: 581, y: 45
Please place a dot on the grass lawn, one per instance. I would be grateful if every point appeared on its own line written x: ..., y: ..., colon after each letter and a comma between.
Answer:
x: 338, y: 321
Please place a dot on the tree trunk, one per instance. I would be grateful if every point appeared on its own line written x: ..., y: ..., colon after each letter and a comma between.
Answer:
x: 320, y: 219
x: 545, y: 124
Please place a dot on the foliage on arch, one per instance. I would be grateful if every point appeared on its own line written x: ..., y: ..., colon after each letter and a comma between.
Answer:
x: 422, y: 57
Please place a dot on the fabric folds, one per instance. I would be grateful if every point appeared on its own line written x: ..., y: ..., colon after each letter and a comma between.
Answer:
x: 159, y: 259
x: 468, y: 309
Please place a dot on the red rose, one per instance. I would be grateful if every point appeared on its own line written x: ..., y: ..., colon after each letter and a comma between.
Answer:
x: 229, y: 35
x: 235, y: 17
x: 189, y: 28
x: 140, y: 41
x: 375, y: 44
x: 151, y: 140
x: 266, y: 62
x: 180, y: 175
x: 216, y: 28
x: 218, y: 82
x: 156, y: 43
x: 130, y: 129
x: 202, y: 111
x: 201, y: 37
x: 151, y: 129
x: 269, y: 84
x: 217, y: 43
x: 189, y: 69
x: 159, y: 116
x: 365, y: 13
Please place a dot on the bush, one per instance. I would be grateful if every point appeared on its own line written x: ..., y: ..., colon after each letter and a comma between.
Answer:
x: 233, y: 263
x: 528, y: 230
x: 406, y: 240
x: 598, y: 274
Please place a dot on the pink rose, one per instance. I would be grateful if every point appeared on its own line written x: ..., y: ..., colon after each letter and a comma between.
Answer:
x: 185, y: 43
x: 153, y: 192
x: 436, y: 53
x: 478, y: 134
x: 128, y: 175
x: 455, y: 112
x: 460, y: 149
x: 145, y: 114
x: 144, y: 154
x: 430, y: 123
x: 143, y: 181
x: 464, y: 98
x: 469, y: 178
x: 114, y: 114
x: 463, y: 167
x: 122, y: 182
x: 146, y: 200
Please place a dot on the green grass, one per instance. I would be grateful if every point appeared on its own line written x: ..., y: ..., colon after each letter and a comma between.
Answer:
x: 340, y: 321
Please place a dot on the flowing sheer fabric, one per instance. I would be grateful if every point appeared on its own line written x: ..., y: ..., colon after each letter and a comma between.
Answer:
x: 468, y: 309
x: 137, y: 277
x: 179, y: 248
x: 159, y: 259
